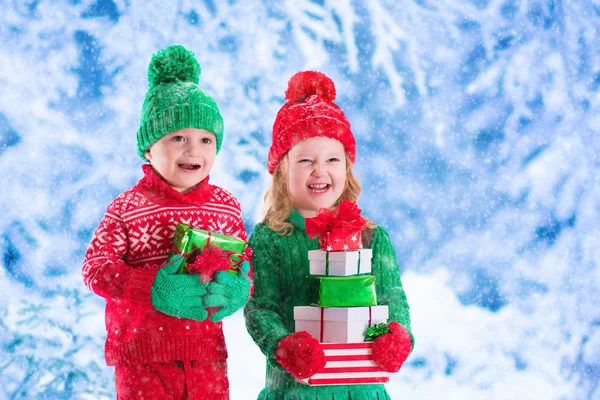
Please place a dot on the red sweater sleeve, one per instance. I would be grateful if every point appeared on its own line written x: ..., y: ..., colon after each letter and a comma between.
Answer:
x: 105, y: 272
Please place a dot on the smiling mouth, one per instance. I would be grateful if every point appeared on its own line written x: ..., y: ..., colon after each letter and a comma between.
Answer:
x: 320, y: 188
x: 189, y: 167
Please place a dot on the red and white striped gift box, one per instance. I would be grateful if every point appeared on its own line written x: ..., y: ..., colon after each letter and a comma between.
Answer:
x: 348, y: 364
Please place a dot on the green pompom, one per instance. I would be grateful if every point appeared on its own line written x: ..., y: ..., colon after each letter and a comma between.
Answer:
x: 173, y: 64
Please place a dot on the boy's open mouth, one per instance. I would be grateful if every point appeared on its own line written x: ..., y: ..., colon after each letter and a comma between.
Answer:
x: 189, y: 167
x: 319, y: 188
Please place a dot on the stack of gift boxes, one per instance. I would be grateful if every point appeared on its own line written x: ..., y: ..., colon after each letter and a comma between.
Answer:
x: 341, y: 291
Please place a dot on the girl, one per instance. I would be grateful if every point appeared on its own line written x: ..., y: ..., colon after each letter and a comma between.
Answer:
x: 311, y: 161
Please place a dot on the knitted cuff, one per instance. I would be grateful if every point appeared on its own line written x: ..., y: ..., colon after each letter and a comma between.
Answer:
x: 138, y: 285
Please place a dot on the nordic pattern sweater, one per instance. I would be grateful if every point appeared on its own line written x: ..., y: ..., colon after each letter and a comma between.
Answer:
x: 131, y: 243
x: 280, y: 266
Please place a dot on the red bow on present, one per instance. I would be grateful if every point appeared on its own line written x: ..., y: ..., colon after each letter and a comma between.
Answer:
x: 344, y: 220
x: 211, y: 260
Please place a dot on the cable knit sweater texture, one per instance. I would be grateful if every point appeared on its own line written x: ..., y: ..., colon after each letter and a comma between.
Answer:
x: 280, y: 266
x: 131, y: 243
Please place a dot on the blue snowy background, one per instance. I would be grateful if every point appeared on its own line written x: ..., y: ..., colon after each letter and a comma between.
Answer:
x: 477, y: 125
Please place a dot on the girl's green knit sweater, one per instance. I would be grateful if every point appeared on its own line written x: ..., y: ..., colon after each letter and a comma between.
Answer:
x: 280, y: 266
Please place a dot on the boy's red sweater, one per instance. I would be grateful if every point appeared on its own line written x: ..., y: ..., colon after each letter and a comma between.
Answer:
x: 130, y: 245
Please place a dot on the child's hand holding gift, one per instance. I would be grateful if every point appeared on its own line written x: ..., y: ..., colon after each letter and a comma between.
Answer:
x: 178, y: 295
x: 391, y: 349
x: 229, y: 292
x: 300, y: 355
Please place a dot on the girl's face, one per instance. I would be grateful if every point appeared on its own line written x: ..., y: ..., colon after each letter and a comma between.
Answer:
x: 184, y: 157
x: 316, y: 174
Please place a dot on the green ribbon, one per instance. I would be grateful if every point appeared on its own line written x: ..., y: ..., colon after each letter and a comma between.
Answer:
x: 187, y: 239
x: 342, y: 291
x: 373, y: 332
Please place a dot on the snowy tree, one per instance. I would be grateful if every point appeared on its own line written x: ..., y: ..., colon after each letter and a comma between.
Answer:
x: 475, y: 120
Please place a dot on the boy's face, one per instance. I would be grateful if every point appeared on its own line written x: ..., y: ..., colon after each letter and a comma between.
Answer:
x: 183, y: 157
x: 316, y: 174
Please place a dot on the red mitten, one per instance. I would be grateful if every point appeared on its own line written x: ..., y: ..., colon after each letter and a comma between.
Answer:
x: 300, y: 355
x: 391, y: 349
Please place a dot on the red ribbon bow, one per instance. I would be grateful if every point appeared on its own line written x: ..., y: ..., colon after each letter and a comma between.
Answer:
x: 211, y: 260
x: 344, y: 220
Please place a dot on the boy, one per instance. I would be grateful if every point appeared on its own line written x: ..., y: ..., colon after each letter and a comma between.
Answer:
x: 159, y: 336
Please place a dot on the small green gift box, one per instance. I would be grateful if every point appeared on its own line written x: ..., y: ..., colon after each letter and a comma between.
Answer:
x: 342, y: 291
x: 194, y: 244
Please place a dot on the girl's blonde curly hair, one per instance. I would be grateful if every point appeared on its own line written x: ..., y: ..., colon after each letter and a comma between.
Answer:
x: 278, y: 201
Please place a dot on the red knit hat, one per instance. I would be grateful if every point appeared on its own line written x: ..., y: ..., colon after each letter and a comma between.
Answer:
x: 309, y: 112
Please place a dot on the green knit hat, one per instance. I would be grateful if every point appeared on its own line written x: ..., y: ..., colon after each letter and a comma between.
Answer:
x: 174, y: 100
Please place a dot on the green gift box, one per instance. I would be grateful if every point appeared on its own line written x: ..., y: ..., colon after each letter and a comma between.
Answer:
x: 342, y: 291
x: 190, y: 242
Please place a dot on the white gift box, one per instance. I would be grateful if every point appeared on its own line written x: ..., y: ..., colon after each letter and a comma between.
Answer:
x: 341, y: 263
x: 348, y: 364
x: 338, y: 324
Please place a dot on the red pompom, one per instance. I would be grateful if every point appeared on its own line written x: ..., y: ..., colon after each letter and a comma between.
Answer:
x: 306, y: 83
x: 390, y: 350
x: 300, y: 354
